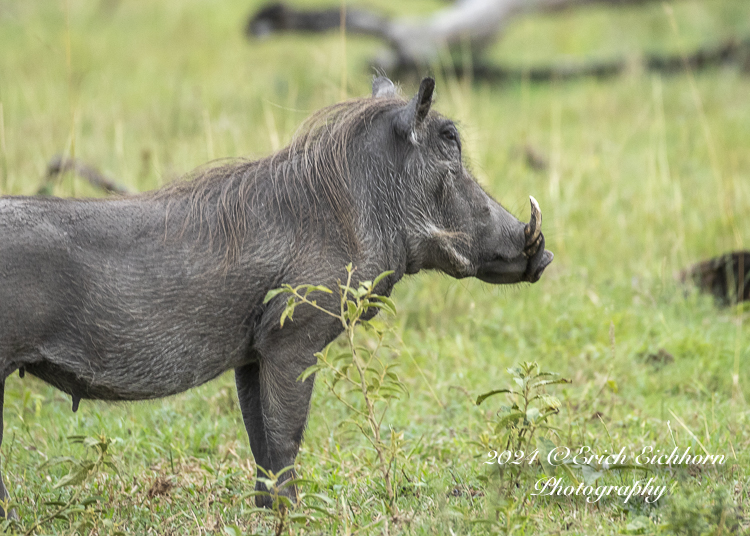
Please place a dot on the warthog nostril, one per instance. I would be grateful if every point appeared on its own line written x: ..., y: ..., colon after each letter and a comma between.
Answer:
x: 544, y: 261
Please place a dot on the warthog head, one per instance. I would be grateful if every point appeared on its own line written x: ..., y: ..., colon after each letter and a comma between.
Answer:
x: 452, y: 224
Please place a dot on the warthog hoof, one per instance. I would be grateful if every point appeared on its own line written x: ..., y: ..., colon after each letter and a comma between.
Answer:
x: 268, y: 498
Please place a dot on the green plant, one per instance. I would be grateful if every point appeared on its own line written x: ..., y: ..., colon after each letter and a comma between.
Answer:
x: 530, y: 410
x: 310, y: 509
x: 359, y: 372
x: 81, y: 472
x: 695, y: 513
x: 530, y: 407
x: 505, y: 518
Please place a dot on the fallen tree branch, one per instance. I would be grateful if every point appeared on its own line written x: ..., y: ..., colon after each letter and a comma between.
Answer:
x: 415, y: 42
x: 728, y: 52
x: 59, y: 165
x: 283, y: 18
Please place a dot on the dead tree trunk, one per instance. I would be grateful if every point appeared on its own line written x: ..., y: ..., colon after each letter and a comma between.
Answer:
x: 414, y: 41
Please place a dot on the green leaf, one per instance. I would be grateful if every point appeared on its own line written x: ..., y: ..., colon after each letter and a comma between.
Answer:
x: 340, y: 357
x: 569, y: 471
x: 360, y: 292
x: 317, y: 288
x: 282, y: 500
x: 326, y: 499
x: 590, y: 475
x: 547, y: 413
x: 367, y: 304
x: 320, y: 509
x: 612, y: 384
x: 351, y: 310
x: 381, y: 277
x: 288, y: 311
x: 112, y: 466
x: 485, y: 396
x: 507, y: 419
x: 393, y: 377
x: 271, y: 294
x: 75, y: 477
x: 309, y: 371
x: 375, y: 324
x: 550, y: 401
x: 545, y: 446
x: 389, y: 303
x: 391, y: 392
x: 57, y: 460
x: 54, y: 503
x: 91, y: 442
x: 551, y: 382
x: 232, y: 530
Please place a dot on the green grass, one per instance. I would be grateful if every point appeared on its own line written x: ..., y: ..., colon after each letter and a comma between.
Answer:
x: 646, y: 174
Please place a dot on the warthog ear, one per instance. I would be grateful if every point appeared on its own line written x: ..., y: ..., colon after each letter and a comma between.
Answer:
x: 382, y: 87
x: 415, y: 112
x: 423, y: 100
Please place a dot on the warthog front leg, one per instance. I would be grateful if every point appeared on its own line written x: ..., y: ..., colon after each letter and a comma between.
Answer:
x: 247, y: 379
x: 274, y: 408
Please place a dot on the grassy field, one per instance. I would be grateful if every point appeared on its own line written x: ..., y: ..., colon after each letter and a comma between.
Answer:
x: 645, y: 174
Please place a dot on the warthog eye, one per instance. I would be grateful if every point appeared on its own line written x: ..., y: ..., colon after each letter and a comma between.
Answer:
x: 450, y: 133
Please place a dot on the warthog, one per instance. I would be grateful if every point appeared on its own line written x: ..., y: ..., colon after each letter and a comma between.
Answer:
x: 727, y: 277
x: 147, y: 296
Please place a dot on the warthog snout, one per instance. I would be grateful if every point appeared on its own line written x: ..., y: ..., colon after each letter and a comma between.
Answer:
x: 520, y: 256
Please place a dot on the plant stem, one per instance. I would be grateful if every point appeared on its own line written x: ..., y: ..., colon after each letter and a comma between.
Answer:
x: 372, y: 421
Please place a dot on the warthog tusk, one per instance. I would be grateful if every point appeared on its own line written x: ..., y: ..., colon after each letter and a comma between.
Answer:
x: 534, y: 228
